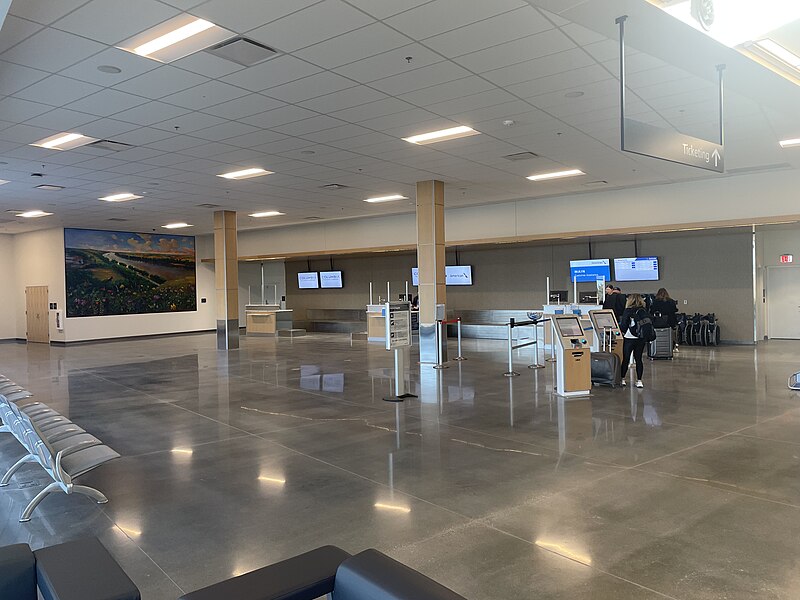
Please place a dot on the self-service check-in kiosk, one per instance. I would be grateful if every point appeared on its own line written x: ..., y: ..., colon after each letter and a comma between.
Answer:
x: 573, y: 358
x: 607, y: 336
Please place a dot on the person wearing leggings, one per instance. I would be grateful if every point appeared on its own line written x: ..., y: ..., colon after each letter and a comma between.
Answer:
x: 631, y: 344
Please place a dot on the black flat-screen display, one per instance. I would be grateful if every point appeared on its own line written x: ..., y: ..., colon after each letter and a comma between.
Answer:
x: 308, y: 281
x: 330, y: 279
x: 569, y: 327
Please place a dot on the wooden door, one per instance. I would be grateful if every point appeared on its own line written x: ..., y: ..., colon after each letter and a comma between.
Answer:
x: 37, y: 312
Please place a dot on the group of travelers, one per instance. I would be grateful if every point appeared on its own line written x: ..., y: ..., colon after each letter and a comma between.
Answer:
x: 637, y: 324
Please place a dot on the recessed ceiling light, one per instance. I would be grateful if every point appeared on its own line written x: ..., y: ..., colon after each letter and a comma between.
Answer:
x: 120, y: 197
x: 111, y: 69
x: 556, y: 175
x: 774, y: 49
x: 790, y: 143
x: 33, y: 214
x: 64, y: 141
x: 176, y: 38
x: 49, y: 188
x: 266, y: 213
x: 4, y: 181
x: 387, y: 198
x: 176, y: 225
x: 442, y: 135
x: 245, y: 173
x: 575, y: 94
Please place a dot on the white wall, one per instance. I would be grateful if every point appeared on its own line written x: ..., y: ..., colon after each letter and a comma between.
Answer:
x: 771, y: 243
x: 8, y: 300
x: 39, y: 260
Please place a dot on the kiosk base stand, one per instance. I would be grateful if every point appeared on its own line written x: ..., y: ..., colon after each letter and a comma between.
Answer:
x: 400, y: 393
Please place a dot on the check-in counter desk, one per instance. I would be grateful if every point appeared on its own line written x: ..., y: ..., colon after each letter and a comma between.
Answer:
x: 376, y: 322
x: 267, y: 319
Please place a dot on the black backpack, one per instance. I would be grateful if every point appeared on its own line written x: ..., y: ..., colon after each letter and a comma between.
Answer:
x: 644, y: 326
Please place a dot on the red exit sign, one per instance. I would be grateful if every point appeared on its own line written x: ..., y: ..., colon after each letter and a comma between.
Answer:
x: 786, y: 258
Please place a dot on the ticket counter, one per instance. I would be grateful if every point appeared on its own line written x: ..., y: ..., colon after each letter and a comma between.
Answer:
x: 267, y: 319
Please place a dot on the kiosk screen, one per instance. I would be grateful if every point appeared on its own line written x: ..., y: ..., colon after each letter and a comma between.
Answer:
x: 605, y: 320
x: 569, y: 327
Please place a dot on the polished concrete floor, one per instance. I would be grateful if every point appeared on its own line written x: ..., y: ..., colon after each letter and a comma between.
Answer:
x: 689, y: 488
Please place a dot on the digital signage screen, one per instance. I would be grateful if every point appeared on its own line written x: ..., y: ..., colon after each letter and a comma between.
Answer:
x: 453, y: 275
x: 308, y: 281
x: 330, y: 279
x: 590, y: 270
x: 641, y: 268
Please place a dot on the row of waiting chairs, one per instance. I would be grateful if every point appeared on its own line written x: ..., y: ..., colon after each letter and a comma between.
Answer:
x: 61, y: 448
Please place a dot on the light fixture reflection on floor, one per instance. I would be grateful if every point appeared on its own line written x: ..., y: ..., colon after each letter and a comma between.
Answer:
x: 562, y: 550
x: 129, y: 531
x: 394, y: 507
x: 790, y: 143
x: 184, y: 451
x: 275, y: 480
x: 34, y: 214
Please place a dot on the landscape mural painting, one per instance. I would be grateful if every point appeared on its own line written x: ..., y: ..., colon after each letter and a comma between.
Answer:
x: 119, y: 273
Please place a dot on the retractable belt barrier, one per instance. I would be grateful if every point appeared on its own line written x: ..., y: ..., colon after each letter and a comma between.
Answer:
x: 440, y: 325
x: 513, y: 324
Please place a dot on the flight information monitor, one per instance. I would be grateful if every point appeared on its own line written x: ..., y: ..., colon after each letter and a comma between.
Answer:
x: 330, y: 279
x: 641, y: 268
x: 453, y: 274
x: 570, y: 327
x: 590, y: 270
x: 308, y: 281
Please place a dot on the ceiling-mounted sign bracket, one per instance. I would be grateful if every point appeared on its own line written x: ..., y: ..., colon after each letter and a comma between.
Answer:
x: 666, y: 144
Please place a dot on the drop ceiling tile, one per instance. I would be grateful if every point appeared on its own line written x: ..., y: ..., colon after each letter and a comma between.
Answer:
x: 245, y: 106
x: 189, y: 122
x: 379, y: 108
x: 130, y: 64
x: 310, y: 87
x: 279, y: 116
x: 244, y: 15
x: 256, y: 138
x: 15, y: 30
x: 517, y: 51
x: 282, y: 146
x: 389, y: 63
x: 150, y: 112
x: 183, y: 4
x: 447, y: 91
x: 380, y: 9
x: 106, y: 103
x: 207, y: 65
x: 105, y: 129
x: 311, y: 25
x: 43, y: 11
x: 113, y: 21
x: 140, y: 137
x: 355, y: 45
x: 581, y: 35
x: 440, y: 72
x: 316, y: 123
x: 539, y: 67
x: 407, y: 118
x: 568, y: 80
x: 14, y: 78
x: 443, y: 15
x: 224, y: 131
x: 519, y: 23
x: 275, y: 71
x: 23, y: 134
x: 205, y: 94
x: 52, y: 50
x: 61, y: 119
x: 18, y: 110
x: 210, y: 150
x: 56, y: 90
x: 348, y: 98
x: 161, y: 81
x: 176, y: 143
x: 456, y: 106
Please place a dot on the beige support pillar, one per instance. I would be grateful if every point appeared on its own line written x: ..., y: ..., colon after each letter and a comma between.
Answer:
x: 430, y: 260
x: 226, y: 271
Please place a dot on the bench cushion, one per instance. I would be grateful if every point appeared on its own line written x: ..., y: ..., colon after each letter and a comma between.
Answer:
x: 83, y: 461
x: 371, y: 575
x: 17, y: 573
x: 82, y: 570
x: 304, y: 577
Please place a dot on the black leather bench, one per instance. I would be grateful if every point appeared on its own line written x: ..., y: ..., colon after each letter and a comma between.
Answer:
x: 79, y: 570
x: 369, y: 575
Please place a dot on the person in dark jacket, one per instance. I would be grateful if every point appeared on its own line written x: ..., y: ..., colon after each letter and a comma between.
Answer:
x: 615, y: 300
x: 634, y: 312
x: 665, y: 311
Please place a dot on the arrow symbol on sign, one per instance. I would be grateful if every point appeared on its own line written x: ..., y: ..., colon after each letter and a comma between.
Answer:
x: 716, y: 156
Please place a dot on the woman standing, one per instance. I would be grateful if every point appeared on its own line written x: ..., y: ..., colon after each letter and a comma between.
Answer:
x: 635, y: 312
x: 664, y: 310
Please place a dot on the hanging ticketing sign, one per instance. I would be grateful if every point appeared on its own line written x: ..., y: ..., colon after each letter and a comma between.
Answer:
x: 398, y: 325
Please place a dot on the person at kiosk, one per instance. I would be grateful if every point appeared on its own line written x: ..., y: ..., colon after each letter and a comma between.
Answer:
x: 615, y: 300
x: 635, y: 312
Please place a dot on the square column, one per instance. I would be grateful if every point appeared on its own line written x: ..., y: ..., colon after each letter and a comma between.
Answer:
x: 226, y: 272
x: 430, y: 260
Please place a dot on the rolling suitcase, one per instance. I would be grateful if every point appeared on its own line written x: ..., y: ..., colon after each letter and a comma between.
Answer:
x: 605, y: 369
x: 661, y: 347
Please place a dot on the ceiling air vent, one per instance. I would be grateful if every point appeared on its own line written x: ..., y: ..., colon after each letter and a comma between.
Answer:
x: 595, y: 184
x: 110, y: 145
x: 208, y: 205
x: 242, y: 51
x: 521, y: 156
x: 333, y: 186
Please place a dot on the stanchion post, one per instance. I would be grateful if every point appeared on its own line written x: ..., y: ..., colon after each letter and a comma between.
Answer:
x: 511, y: 372
x: 460, y: 354
x: 439, y: 338
x: 536, y: 364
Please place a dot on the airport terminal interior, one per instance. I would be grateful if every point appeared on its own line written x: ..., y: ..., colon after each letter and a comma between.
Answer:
x: 408, y: 299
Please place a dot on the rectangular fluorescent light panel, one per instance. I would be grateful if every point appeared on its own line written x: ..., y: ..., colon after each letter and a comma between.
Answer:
x: 4, y: 181
x: 442, y: 135
x: 64, y: 141
x: 120, y: 197
x: 33, y: 214
x: 176, y: 38
x: 776, y: 50
x: 245, y: 173
x: 50, y: 188
x: 266, y: 213
x: 176, y: 225
x: 386, y: 198
x: 556, y: 175
x: 790, y: 143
